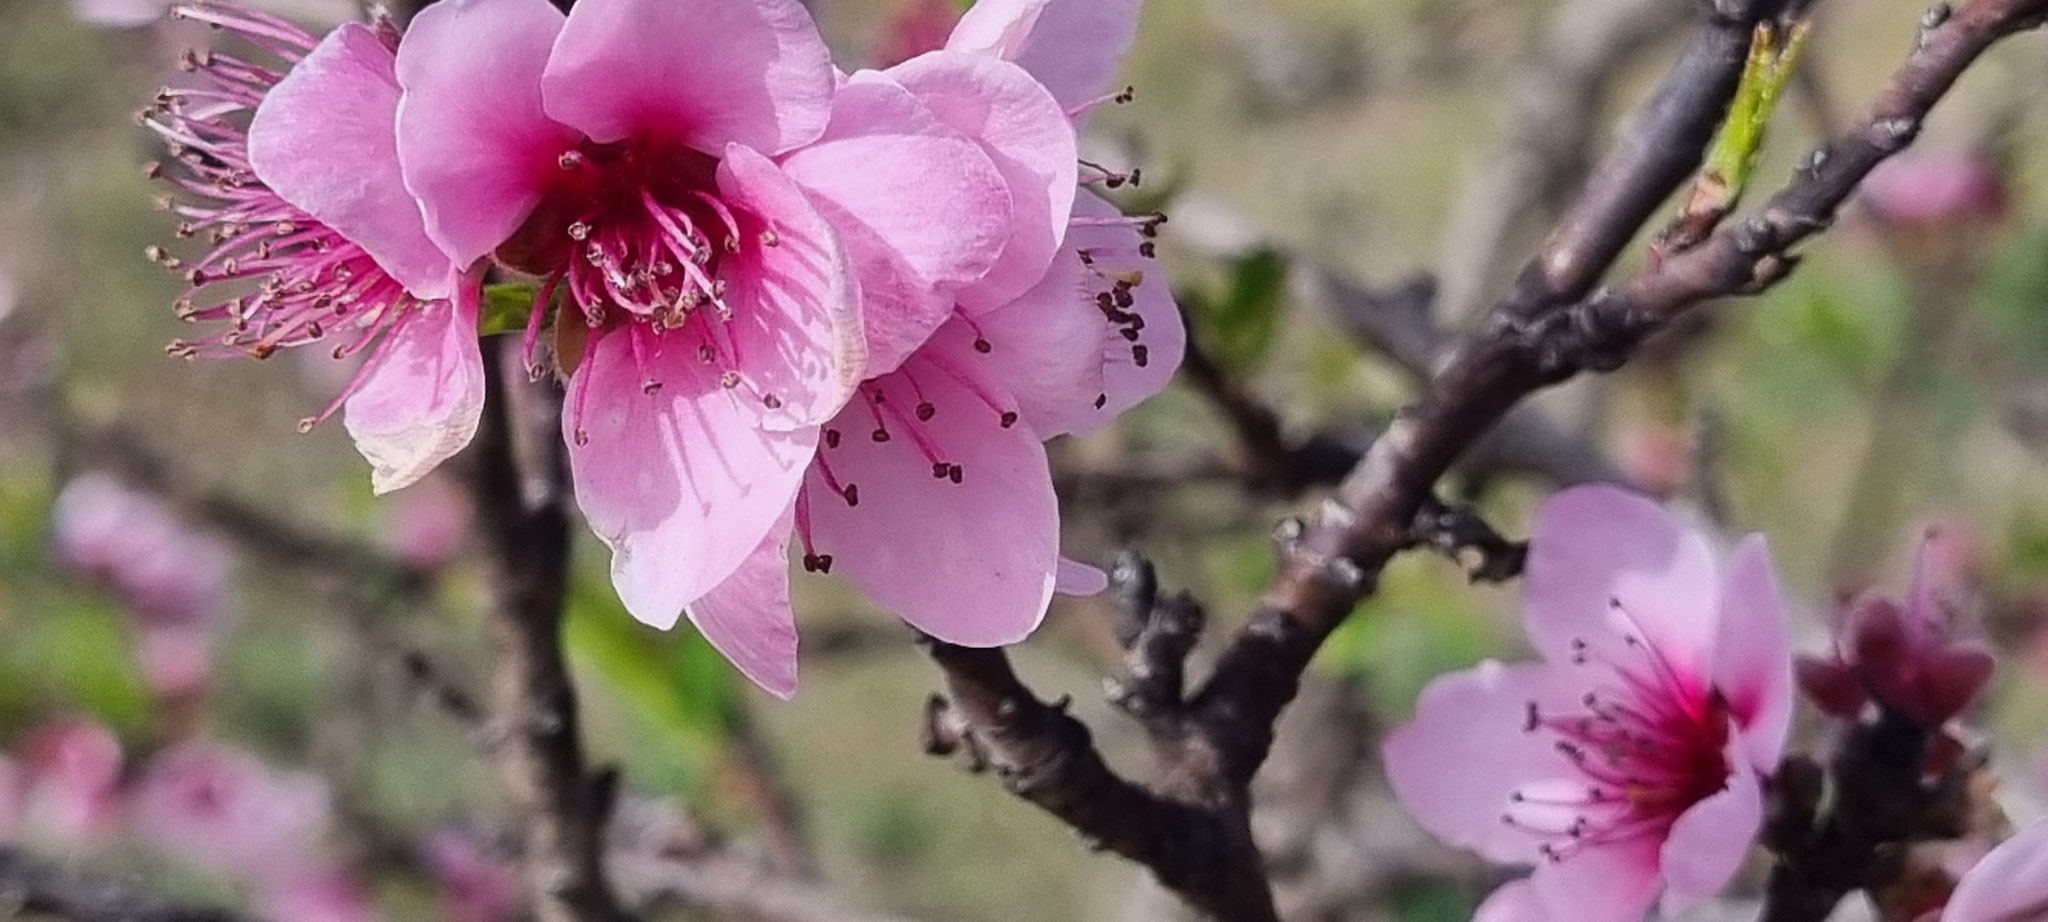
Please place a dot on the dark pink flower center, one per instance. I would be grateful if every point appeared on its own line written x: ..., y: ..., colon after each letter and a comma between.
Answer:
x: 1647, y: 742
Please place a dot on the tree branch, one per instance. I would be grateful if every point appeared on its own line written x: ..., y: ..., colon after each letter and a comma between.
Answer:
x: 538, y: 751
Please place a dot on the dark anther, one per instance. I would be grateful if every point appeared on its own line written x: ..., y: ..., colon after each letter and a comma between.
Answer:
x: 852, y: 494
x: 1101, y: 400
x: 880, y: 435
x: 1009, y: 418
x: 941, y: 470
x: 956, y: 473
x: 831, y: 438
x: 925, y: 411
x: 1141, y: 355
x: 983, y: 346
x: 817, y: 563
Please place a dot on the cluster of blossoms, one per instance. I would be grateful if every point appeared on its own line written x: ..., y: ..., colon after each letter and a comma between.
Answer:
x: 788, y: 302
x: 174, y: 579
x: 1629, y: 765
x: 221, y: 812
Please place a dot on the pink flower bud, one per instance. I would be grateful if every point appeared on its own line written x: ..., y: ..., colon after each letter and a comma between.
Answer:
x: 70, y: 796
x: 1931, y: 188
x: 222, y: 811
x: 1903, y: 657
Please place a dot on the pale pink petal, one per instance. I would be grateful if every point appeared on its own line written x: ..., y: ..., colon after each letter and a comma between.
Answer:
x: 1709, y: 842
x: 682, y: 484
x: 748, y: 617
x: 1753, y: 654
x: 325, y: 138
x: 421, y: 402
x: 1454, y: 766
x: 1027, y: 136
x: 796, y: 305
x: 1595, y: 545
x: 1076, y: 578
x: 1514, y: 901
x: 921, y: 208
x: 705, y: 73
x: 1132, y: 371
x: 970, y: 563
x: 473, y: 141
x: 1613, y: 882
x: 2009, y: 885
x: 1071, y: 46
x: 1044, y: 353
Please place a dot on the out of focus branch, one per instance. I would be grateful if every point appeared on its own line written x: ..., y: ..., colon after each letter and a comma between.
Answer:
x: 1550, y: 327
x: 42, y: 890
x: 563, y: 807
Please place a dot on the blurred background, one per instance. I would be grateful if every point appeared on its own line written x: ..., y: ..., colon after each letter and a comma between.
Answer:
x: 227, y: 674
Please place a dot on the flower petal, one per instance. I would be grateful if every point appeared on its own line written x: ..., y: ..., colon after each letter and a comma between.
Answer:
x: 1044, y: 353
x: 472, y: 139
x: 1708, y: 843
x: 921, y: 208
x: 971, y: 562
x: 1028, y: 138
x: 796, y: 304
x: 421, y: 402
x: 1595, y: 544
x: 1133, y: 370
x: 1613, y: 882
x: 682, y: 484
x: 1454, y: 766
x: 1076, y: 578
x: 1514, y: 901
x: 705, y: 73
x: 325, y: 139
x: 1753, y: 653
x: 1071, y: 46
x: 748, y: 616
x: 2009, y: 884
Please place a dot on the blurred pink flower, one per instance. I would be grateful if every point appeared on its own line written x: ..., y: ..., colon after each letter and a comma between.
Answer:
x: 1936, y: 187
x: 223, y: 811
x: 292, y: 179
x: 475, y: 887
x: 2009, y: 885
x: 1629, y: 759
x: 913, y: 28
x: 1902, y: 657
x: 69, y: 798
x: 318, y: 895
x: 426, y: 526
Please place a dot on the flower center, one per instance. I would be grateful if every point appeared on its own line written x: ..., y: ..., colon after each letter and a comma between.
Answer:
x: 1646, y: 743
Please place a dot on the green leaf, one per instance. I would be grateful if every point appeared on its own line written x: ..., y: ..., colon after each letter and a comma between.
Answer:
x: 507, y: 308
x: 1773, y: 57
x: 1240, y: 326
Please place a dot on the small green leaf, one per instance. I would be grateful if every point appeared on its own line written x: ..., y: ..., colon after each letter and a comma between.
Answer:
x: 1773, y: 57
x: 1240, y: 326
x: 507, y: 308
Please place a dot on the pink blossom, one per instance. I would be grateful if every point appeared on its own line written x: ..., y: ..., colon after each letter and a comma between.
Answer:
x: 2009, y: 885
x: 737, y: 240
x: 474, y: 886
x: 1902, y: 657
x: 132, y: 542
x: 223, y: 811
x: 69, y: 794
x: 319, y: 895
x: 426, y: 527
x: 931, y: 490
x: 1935, y: 188
x: 1628, y: 760
x: 290, y: 178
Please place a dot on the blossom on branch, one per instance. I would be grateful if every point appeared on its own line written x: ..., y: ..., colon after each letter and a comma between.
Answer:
x: 1630, y: 759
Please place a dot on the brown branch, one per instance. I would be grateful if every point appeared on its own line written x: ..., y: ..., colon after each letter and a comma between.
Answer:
x: 1550, y: 327
x: 539, y: 752
x: 33, y: 887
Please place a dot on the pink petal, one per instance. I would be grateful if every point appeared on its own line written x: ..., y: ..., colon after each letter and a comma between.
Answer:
x: 2009, y: 885
x: 1753, y: 653
x: 325, y: 138
x: 1614, y: 882
x: 1455, y: 764
x: 473, y: 141
x: 1595, y: 544
x: 421, y: 402
x: 682, y: 484
x: 920, y: 207
x: 1076, y: 578
x: 1045, y: 353
x: 748, y: 617
x: 1708, y: 843
x: 970, y: 563
x: 1027, y: 136
x: 705, y: 73
x: 796, y: 317
x: 1514, y: 901
x: 1114, y: 249
x: 1071, y: 46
